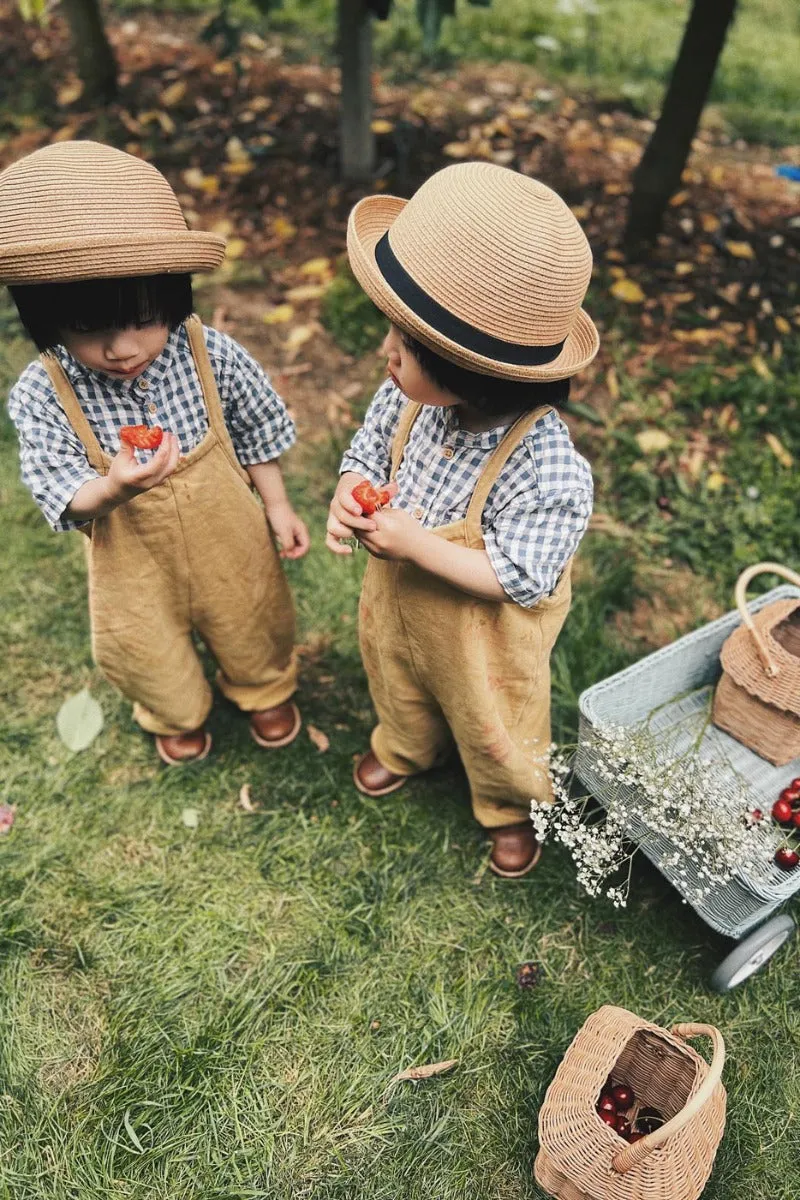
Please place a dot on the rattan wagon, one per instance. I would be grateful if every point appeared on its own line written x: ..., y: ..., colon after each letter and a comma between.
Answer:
x: 672, y: 690
x: 580, y: 1158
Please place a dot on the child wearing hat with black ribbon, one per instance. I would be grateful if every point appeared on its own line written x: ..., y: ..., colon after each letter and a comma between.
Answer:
x: 482, y: 275
x: 99, y: 259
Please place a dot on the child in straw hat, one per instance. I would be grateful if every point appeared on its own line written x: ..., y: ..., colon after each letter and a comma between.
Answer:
x: 98, y: 257
x: 482, y: 275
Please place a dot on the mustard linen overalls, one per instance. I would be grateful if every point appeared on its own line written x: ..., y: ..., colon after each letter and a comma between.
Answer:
x: 193, y: 553
x: 443, y: 665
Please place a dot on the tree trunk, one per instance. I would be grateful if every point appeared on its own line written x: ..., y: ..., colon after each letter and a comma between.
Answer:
x: 355, y: 58
x: 659, y: 173
x: 97, y: 66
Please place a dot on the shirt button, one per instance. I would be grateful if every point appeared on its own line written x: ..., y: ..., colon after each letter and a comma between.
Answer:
x: 418, y: 513
x: 142, y: 385
x: 151, y: 408
x: 447, y: 452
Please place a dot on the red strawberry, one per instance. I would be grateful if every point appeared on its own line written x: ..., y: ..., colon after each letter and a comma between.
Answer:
x: 369, y: 497
x: 141, y: 437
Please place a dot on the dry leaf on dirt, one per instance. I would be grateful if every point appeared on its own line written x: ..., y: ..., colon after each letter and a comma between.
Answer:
x: 7, y: 814
x: 173, y: 94
x: 779, y: 450
x: 245, y: 802
x: 278, y: 315
x: 426, y: 1071
x: 628, y: 291
x: 740, y: 249
x: 69, y: 92
x: 320, y: 739
x: 235, y: 247
x: 650, y: 441
x: 760, y: 367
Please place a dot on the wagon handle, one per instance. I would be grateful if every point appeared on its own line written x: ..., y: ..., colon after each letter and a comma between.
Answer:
x: 632, y: 1155
x: 771, y: 568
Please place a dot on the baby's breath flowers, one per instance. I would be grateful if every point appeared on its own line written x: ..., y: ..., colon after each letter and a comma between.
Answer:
x: 692, y: 819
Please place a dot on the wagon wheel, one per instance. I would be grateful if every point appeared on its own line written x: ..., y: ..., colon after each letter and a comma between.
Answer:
x: 752, y: 952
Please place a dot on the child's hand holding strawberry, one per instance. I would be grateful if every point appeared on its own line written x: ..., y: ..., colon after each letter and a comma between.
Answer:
x: 346, y: 517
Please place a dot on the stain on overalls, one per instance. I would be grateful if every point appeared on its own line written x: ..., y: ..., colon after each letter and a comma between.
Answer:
x: 192, y: 554
x: 444, y: 666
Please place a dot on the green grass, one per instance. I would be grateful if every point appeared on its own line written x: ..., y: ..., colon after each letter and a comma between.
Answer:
x: 624, y: 51
x: 217, y: 1013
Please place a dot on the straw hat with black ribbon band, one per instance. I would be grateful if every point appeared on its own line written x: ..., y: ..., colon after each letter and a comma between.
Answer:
x: 486, y: 267
x: 82, y: 210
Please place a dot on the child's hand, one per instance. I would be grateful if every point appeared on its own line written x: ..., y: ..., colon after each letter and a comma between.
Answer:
x: 397, y: 535
x: 127, y: 477
x: 289, y: 529
x: 345, y: 516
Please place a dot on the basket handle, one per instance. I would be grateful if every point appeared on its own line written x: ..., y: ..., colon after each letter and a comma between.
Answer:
x: 768, y: 568
x: 632, y: 1155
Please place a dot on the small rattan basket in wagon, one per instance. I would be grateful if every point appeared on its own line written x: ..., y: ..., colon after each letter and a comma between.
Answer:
x: 671, y: 691
x: 581, y: 1158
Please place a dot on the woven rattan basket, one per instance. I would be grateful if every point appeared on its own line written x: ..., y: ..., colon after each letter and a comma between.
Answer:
x: 581, y: 1158
x: 757, y: 700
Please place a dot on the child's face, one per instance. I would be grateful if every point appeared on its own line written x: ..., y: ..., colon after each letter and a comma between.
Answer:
x: 409, y: 376
x: 123, y: 353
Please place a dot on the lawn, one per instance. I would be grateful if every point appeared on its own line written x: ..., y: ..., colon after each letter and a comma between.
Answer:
x: 218, y: 1012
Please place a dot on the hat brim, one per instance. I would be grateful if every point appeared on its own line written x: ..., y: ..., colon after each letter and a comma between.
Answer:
x: 369, y: 221
x: 112, y: 257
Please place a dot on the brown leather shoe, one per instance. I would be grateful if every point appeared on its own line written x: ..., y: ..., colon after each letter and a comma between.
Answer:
x: 179, y: 749
x: 373, y: 779
x: 275, y: 727
x: 515, y: 850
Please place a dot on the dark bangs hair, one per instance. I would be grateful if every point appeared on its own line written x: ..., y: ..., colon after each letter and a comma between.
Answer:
x: 47, y: 310
x: 486, y: 393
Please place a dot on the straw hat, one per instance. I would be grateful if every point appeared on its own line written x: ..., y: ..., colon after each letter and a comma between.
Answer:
x: 81, y: 210
x: 486, y: 267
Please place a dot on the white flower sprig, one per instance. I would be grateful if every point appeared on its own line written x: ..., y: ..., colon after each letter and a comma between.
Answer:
x: 685, y: 801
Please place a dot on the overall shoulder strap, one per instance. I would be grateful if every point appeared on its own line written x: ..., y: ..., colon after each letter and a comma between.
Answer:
x: 489, y: 475
x: 73, y: 411
x: 407, y: 419
x: 208, y: 382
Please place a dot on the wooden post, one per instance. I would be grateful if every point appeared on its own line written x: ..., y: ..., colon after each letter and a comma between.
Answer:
x: 355, y: 58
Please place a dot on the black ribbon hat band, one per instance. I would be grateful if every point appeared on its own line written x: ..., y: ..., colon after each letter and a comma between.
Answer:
x: 451, y: 326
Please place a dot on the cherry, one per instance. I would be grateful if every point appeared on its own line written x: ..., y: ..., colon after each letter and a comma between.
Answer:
x: 648, y: 1119
x: 790, y: 794
x: 795, y: 784
x: 796, y: 819
x: 622, y: 1096
x: 608, y: 1117
x: 787, y: 859
x: 606, y: 1104
x: 622, y: 1126
x: 782, y: 811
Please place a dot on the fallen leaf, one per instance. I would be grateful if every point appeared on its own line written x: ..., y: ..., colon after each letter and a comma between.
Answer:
x: 245, y: 802
x: 235, y: 247
x: 278, y: 315
x: 7, y: 814
x: 628, y: 291
x: 283, y: 229
x: 71, y: 91
x: 457, y: 150
x: 320, y: 739
x: 779, y: 450
x: 651, y: 441
x: 740, y: 249
x: 684, y: 268
x: 173, y: 94
x: 190, y: 818
x: 709, y: 222
x: 426, y: 1071
x: 715, y: 481
x: 79, y: 721
x: 381, y: 126
x: 678, y: 199
x: 306, y: 291
x: 315, y: 266
x: 782, y: 325
x: 760, y: 367
x: 299, y: 336
x: 530, y: 974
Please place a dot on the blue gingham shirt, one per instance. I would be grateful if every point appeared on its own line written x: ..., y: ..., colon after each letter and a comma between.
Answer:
x: 536, y: 512
x: 53, y: 460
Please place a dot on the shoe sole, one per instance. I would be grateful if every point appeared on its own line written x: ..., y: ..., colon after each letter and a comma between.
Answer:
x: 285, y: 740
x: 516, y: 874
x: 375, y: 792
x: 183, y: 762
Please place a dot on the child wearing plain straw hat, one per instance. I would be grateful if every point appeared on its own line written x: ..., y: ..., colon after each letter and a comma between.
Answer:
x: 99, y: 259
x: 482, y: 275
